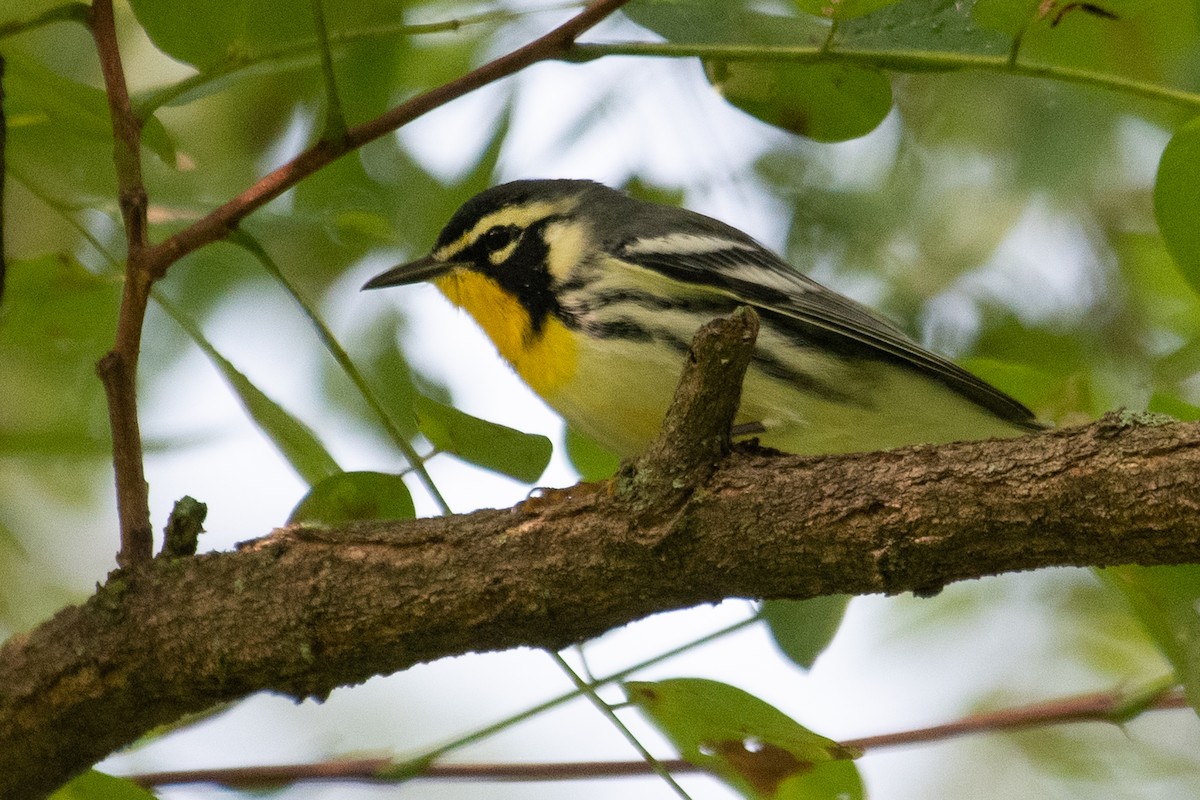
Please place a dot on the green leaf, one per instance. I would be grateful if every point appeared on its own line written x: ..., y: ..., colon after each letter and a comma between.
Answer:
x: 349, y: 496
x: 382, y: 364
x: 802, y: 629
x: 842, y: 9
x: 523, y: 456
x: 930, y: 25
x: 752, y: 746
x: 215, y: 32
x: 9, y: 541
x: 56, y: 321
x: 93, y: 785
x: 725, y: 22
x: 1006, y: 16
x: 824, y: 102
x: 590, y: 459
x: 1177, y: 200
x: 60, y: 132
x: 294, y: 440
x: 1173, y: 407
x: 1036, y: 388
x: 1166, y: 600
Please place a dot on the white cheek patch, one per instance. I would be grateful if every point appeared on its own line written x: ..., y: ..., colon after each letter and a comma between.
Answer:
x: 567, y: 243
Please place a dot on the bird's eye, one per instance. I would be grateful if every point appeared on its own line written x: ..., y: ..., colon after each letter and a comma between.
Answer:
x: 499, y: 237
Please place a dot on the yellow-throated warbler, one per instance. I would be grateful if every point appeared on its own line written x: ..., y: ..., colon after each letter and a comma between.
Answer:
x: 593, y: 297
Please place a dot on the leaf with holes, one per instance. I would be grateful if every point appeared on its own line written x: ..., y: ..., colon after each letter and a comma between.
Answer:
x: 751, y: 745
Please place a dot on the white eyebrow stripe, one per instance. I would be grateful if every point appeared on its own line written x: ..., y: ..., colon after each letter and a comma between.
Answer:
x: 685, y: 243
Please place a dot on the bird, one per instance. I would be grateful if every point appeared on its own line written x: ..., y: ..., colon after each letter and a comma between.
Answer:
x: 593, y: 296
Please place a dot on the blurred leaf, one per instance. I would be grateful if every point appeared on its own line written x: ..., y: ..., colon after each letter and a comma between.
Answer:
x: 842, y: 9
x: 754, y: 747
x: 381, y: 361
x: 1048, y: 368
x: 10, y: 541
x: 1005, y: 16
x: 1177, y: 198
x: 1092, y: 623
x: 523, y: 456
x: 1157, y: 287
x: 210, y: 33
x: 589, y: 458
x: 1167, y: 601
x: 295, y: 441
x: 1173, y: 407
x: 932, y: 25
x: 824, y: 102
x: 642, y: 189
x: 724, y: 22
x: 802, y: 629
x: 93, y: 785
x: 19, y: 13
x: 60, y: 132
x: 1132, y: 38
x: 350, y: 496
x: 56, y: 321
x: 1063, y: 752
x: 1036, y: 388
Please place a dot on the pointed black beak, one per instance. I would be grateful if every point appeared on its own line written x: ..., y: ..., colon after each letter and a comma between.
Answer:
x: 422, y: 269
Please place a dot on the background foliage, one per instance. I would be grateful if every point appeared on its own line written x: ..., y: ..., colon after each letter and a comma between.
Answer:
x: 991, y: 174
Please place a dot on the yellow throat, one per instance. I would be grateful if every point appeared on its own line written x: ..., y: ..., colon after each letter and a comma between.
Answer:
x: 545, y: 359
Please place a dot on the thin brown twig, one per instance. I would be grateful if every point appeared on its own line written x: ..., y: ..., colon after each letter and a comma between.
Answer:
x: 118, y: 368
x: 220, y: 221
x: 1098, y: 707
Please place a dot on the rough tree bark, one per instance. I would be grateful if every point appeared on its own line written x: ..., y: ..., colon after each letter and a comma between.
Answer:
x: 304, y: 610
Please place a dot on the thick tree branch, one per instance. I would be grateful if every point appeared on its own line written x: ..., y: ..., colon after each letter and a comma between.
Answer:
x: 303, y: 610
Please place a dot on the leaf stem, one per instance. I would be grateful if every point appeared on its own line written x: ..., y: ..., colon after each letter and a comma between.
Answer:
x: 347, y: 364
x: 335, y: 120
x: 604, y: 708
x: 900, y: 61
x: 68, y: 12
x: 554, y: 702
